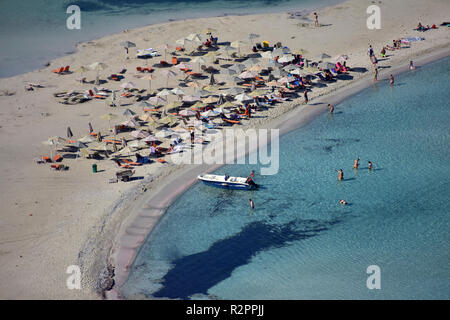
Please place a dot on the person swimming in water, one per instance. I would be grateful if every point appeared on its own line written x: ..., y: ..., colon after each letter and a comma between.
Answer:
x: 370, y: 165
x: 340, y: 174
x: 252, y: 204
x: 343, y: 202
x: 356, y: 164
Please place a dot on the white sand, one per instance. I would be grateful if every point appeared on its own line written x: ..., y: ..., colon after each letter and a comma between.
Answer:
x: 50, y: 220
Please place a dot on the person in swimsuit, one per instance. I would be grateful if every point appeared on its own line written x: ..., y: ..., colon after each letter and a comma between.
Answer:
x: 331, y: 108
x: 252, y: 204
x: 340, y: 174
x: 356, y: 164
x: 391, y: 80
x: 316, y: 19
x: 343, y: 202
x: 370, y: 165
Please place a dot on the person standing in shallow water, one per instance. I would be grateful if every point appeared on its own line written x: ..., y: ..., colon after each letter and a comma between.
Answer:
x: 305, y: 95
x: 370, y: 165
x: 330, y: 108
x: 391, y: 80
x: 252, y: 204
x: 356, y: 164
x: 340, y: 174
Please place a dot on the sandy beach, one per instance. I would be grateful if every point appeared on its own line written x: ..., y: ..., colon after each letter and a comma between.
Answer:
x: 51, y: 220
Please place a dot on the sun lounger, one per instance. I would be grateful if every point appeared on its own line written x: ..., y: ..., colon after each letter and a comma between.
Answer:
x: 131, y: 163
x: 60, y: 70
x: 97, y: 96
x: 58, y: 167
x: 57, y: 158
x: 126, y: 166
x: 127, y: 94
x: 112, y: 141
x: 194, y: 74
x: 164, y: 63
x: 66, y: 69
x: 174, y: 61
x: 161, y: 160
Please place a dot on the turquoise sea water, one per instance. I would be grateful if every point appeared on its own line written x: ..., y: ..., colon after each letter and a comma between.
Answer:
x: 299, y: 243
x: 33, y: 32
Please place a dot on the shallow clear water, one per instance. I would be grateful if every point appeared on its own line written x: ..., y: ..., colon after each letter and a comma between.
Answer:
x: 299, y: 243
x: 33, y: 32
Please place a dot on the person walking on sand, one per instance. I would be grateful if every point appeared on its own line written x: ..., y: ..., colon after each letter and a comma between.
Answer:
x: 370, y: 51
x: 391, y: 80
x: 411, y: 65
x: 192, y: 136
x: 330, y: 108
x: 375, y: 74
x: 340, y: 174
x: 356, y: 164
x: 316, y: 19
x: 305, y: 95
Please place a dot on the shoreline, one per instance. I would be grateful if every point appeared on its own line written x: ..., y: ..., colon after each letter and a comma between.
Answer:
x: 130, y: 238
x: 43, y: 231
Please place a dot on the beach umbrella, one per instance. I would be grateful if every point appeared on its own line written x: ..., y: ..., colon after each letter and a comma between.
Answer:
x: 143, y: 104
x: 190, y: 98
x: 202, y: 93
x: 183, y: 66
x: 81, y: 69
x: 211, y: 55
x: 90, y: 128
x: 267, y: 55
x: 256, y: 68
x: 98, y: 66
x: 78, y: 145
x: 127, y: 45
x: 164, y: 47
x: 128, y: 85
x: 221, y: 110
x: 182, y: 42
x: 234, y: 91
x: 173, y: 105
x: 210, y: 100
x: 125, y: 151
x: 164, y: 133
x: 286, y: 58
x: 164, y: 93
x: 247, y: 75
x: 109, y: 117
x: 286, y: 80
x: 326, y: 65
x: 209, y: 113
x: 130, y: 123
x: 193, y: 84
x: 86, y: 153
x: 194, y: 37
x: 238, y: 68
x: 227, y: 49
x: 272, y: 83
x: 187, y: 113
x: 150, y: 138
x: 178, y: 91
x: 342, y: 57
x: 322, y: 56
x: 243, y: 97
x: 258, y: 93
x: 137, y: 144
x: 139, y: 134
x: 147, y: 117
x: 227, y: 72
x: 156, y: 101
x: 279, y: 73
x: 234, y: 79
x: 128, y: 113
x: 251, y: 61
x: 148, y: 77
x: 278, y: 52
x: 197, y: 105
x: 228, y: 104
x: 87, y: 139
x: 168, y: 74
x: 198, y: 60
x: 237, y: 44
x: 300, y: 51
